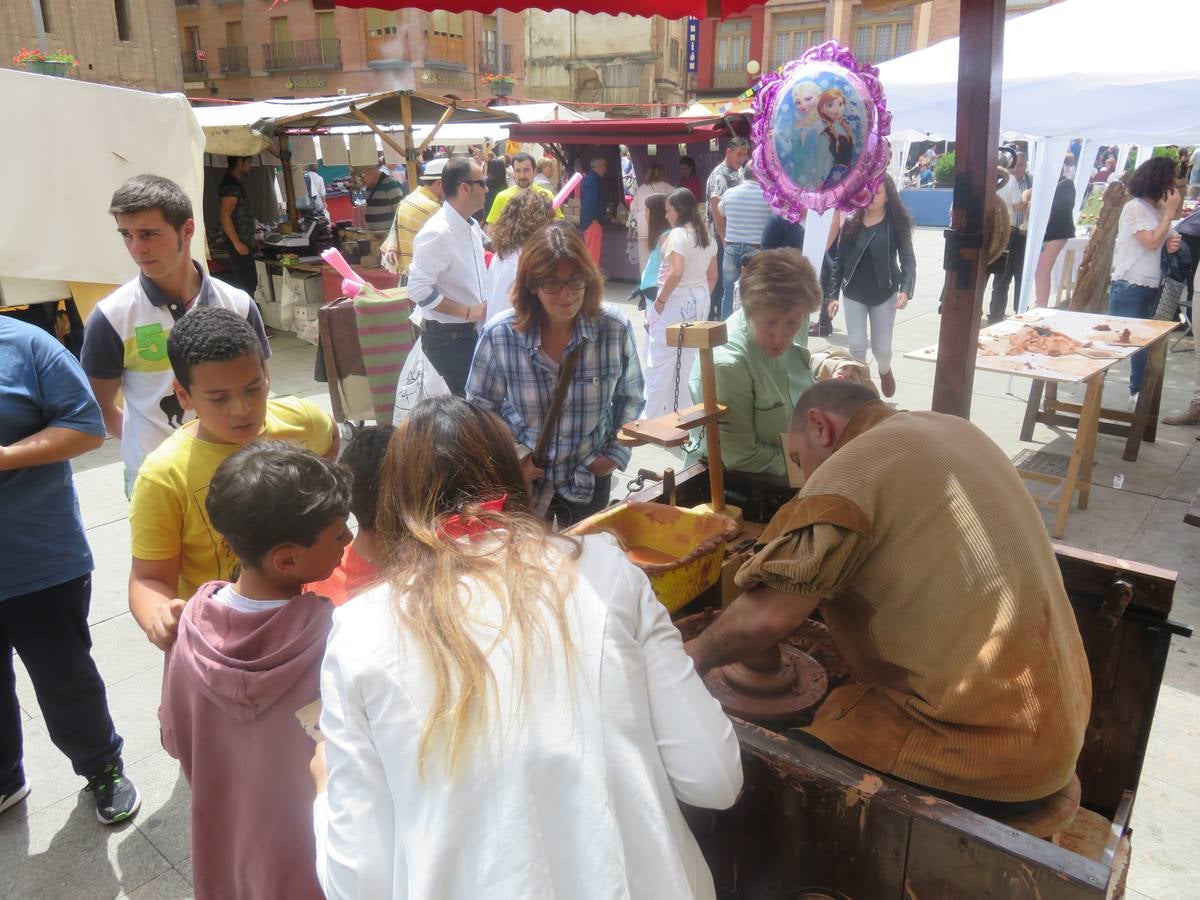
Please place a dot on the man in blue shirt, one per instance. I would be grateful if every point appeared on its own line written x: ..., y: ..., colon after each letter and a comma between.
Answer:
x: 47, y: 416
x: 591, y: 208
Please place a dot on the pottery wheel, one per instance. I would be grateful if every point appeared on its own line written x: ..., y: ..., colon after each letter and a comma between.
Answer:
x: 799, y: 683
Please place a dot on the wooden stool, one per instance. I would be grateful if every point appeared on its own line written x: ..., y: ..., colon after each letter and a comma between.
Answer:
x: 1051, y: 815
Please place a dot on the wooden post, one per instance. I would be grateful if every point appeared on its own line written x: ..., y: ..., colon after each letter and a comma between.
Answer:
x: 980, y: 66
x: 410, y: 155
x: 446, y: 114
x: 289, y: 189
x: 383, y: 135
x: 712, y: 430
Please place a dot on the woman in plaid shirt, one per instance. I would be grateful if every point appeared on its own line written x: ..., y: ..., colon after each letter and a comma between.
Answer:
x: 556, y: 306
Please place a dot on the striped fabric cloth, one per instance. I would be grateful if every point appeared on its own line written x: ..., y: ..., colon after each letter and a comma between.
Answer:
x: 746, y: 212
x: 385, y: 336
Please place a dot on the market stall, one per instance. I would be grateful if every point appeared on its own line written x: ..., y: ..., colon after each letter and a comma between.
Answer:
x: 651, y: 142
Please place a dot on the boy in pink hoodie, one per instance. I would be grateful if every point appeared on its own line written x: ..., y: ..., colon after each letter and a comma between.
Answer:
x: 247, y: 657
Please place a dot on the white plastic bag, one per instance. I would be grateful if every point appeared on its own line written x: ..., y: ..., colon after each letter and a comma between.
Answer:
x: 419, y: 380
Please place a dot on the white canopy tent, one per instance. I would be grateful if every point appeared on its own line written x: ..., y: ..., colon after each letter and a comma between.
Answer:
x: 70, y: 144
x: 1086, y: 69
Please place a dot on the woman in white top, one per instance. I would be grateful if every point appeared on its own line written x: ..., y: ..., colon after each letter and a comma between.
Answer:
x: 511, y: 714
x: 685, y: 282
x: 1144, y: 227
x: 656, y: 183
x: 525, y: 215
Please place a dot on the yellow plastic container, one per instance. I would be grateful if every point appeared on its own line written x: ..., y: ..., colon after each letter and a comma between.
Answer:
x: 690, y: 545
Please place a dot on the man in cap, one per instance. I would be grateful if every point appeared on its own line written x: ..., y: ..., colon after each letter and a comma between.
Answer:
x: 413, y: 212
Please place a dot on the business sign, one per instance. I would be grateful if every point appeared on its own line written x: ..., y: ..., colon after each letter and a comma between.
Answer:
x: 693, y: 45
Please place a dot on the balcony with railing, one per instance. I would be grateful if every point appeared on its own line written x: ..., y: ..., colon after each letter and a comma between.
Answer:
x: 195, y: 64
x: 731, y: 76
x: 446, y: 49
x: 321, y: 53
x: 496, y: 59
x: 234, y: 60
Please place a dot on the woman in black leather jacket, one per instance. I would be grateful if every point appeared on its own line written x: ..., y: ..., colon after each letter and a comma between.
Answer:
x: 874, y: 266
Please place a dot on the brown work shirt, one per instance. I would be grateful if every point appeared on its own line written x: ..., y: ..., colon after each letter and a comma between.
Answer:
x: 940, y: 587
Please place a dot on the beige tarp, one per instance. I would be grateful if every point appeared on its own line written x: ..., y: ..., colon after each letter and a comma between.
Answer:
x: 67, y: 145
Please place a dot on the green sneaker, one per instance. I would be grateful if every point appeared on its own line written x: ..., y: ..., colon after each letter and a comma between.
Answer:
x: 116, y: 797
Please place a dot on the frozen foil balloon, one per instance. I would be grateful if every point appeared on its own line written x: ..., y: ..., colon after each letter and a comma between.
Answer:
x: 820, y: 133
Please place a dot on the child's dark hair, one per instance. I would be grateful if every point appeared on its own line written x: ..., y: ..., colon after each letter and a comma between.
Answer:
x: 209, y: 334
x: 271, y: 493
x: 363, y: 456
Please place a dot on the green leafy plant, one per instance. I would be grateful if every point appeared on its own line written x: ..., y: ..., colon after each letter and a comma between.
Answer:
x: 943, y: 168
x: 498, y: 79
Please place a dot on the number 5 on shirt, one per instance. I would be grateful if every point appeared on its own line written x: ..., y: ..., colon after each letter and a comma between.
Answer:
x: 151, y: 342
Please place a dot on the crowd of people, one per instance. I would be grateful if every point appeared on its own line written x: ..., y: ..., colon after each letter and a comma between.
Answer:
x: 504, y: 710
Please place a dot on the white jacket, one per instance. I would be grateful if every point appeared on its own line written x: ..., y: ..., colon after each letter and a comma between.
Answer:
x: 574, y: 798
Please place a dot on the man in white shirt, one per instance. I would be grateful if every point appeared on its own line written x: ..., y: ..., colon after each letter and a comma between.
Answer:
x: 314, y: 197
x: 446, y: 278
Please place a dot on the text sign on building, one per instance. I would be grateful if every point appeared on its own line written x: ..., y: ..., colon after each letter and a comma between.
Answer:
x: 693, y: 43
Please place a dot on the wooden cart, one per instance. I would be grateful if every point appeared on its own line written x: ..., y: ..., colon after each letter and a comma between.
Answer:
x: 810, y: 824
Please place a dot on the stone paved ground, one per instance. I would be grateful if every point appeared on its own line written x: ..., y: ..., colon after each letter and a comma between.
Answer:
x: 52, y: 846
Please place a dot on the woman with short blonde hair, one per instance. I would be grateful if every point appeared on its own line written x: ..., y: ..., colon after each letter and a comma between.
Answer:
x: 559, y: 324
x: 510, y: 714
x: 765, y: 366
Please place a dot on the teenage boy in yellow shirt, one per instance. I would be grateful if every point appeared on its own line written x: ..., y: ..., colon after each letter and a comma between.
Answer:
x: 219, y: 374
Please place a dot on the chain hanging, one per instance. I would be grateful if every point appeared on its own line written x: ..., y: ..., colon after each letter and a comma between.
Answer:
x: 696, y: 443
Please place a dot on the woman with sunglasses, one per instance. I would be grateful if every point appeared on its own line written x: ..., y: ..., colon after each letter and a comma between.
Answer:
x: 558, y: 324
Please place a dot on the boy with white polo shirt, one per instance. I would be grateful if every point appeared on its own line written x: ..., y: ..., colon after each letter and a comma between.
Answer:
x: 125, y: 341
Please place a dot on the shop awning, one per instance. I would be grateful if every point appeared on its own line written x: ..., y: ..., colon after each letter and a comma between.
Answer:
x: 244, y: 129
x: 668, y: 9
x: 629, y: 131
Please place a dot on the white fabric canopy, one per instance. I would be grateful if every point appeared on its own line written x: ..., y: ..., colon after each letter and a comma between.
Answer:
x: 1102, y: 69
x: 69, y: 145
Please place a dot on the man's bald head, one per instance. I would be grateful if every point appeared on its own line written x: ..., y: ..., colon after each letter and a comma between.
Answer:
x: 820, y: 419
x: 835, y: 396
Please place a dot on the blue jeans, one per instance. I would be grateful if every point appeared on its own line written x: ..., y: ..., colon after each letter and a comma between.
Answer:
x: 1134, y: 301
x: 731, y: 271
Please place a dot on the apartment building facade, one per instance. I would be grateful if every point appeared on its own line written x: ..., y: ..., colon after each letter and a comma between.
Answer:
x: 768, y: 35
x: 625, y: 65
x: 245, y: 50
x: 129, y: 43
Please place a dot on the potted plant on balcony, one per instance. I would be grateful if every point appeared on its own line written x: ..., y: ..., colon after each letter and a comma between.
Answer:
x: 56, y: 62
x: 501, y: 85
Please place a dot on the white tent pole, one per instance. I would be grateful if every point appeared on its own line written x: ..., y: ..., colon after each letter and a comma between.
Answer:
x: 1048, y: 155
x: 1083, y: 172
x: 1144, y: 152
x: 816, y: 234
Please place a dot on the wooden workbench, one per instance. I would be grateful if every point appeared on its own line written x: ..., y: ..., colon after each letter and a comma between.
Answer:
x: 1070, y: 474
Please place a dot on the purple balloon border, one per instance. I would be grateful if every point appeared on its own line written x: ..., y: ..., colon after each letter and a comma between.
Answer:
x: 857, y: 188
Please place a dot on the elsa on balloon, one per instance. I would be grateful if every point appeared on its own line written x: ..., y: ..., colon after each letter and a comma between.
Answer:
x: 811, y: 160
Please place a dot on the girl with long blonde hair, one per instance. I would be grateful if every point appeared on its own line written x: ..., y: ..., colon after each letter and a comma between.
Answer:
x: 511, y: 714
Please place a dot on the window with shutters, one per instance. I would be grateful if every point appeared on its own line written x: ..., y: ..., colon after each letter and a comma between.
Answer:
x: 793, y: 33
x: 733, y: 52
x: 881, y: 36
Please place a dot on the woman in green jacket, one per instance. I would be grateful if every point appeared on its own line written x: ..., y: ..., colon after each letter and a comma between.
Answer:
x: 765, y: 366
